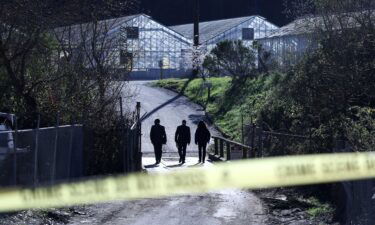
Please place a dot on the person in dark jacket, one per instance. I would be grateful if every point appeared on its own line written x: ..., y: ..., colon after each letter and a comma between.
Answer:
x: 202, y: 138
x: 182, y: 138
x: 158, y: 139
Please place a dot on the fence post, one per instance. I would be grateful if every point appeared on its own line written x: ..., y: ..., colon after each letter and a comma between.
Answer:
x: 252, y: 154
x: 260, y: 142
x: 36, y: 151
x: 283, y: 145
x: 70, y: 147
x: 310, y: 144
x: 135, y: 150
x: 53, y: 175
x: 221, y: 148
x: 216, y: 146
x: 121, y: 109
x: 15, y: 152
x: 133, y: 144
x: 244, y: 152
x: 124, y: 145
x: 228, y: 151
x: 124, y: 138
x: 129, y: 150
x: 242, y: 130
x: 139, y: 137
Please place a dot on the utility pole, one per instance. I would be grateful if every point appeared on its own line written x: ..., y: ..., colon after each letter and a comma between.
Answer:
x: 256, y: 7
x: 196, y: 37
x: 161, y: 65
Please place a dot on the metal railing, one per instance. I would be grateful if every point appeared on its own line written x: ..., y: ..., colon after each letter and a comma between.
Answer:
x: 133, y: 147
x: 230, y: 150
x: 274, y: 143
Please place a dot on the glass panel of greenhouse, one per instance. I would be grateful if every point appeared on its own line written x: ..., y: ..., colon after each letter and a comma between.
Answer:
x: 138, y: 43
x: 153, y: 47
x: 246, y: 29
x: 289, y: 43
x: 152, y: 50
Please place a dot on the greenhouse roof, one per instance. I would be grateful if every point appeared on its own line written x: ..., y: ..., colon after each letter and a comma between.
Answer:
x: 109, y: 26
x: 211, y: 29
x: 309, y: 24
x: 299, y: 26
x: 113, y: 23
x: 75, y: 31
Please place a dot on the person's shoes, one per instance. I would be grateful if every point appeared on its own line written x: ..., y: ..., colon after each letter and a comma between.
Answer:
x: 180, y: 160
x: 199, y: 161
x: 183, y: 161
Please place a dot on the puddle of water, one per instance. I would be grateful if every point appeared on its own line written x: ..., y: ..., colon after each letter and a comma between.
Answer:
x: 224, y: 213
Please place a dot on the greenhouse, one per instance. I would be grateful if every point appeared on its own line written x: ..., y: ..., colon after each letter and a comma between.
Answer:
x: 289, y: 43
x: 246, y: 29
x: 153, y: 47
x: 151, y: 50
x: 135, y: 43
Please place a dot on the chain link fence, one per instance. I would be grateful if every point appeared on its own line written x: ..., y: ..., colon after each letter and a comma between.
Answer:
x: 39, y: 156
x: 354, y: 200
x: 48, y: 155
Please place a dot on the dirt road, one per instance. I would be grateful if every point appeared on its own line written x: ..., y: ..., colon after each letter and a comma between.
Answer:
x: 216, y: 208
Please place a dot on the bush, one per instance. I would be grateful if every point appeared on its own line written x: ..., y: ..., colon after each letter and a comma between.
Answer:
x: 329, y: 92
x: 231, y: 58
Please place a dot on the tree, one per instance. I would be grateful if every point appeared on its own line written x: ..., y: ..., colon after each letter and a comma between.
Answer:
x: 231, y: 58
x: 52, y: 68
x: 322, y: 91
x: 46, y: 70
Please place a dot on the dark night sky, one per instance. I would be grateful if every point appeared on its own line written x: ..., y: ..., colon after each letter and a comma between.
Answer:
x: 171, y: 12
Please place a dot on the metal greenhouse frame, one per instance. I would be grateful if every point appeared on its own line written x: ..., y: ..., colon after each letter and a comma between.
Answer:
x: 154, y: 47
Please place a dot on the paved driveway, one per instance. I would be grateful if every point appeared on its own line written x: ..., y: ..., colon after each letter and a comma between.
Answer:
x: 227, y: 207
x: 171, y: 110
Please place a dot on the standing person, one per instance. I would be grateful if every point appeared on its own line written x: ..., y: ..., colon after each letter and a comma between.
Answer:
x: 202, y: 138
x: 158, y: 139
x: 182, y: 138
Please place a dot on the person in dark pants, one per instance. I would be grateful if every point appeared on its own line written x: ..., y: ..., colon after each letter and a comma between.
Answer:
x: 182, y: 138
x: 158, y: 139
x: 202, y: 138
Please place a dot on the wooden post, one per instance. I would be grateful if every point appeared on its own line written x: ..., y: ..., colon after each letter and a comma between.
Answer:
x: 216, y: 146
x: 221, y: 148
x: 228, y: 151
x: 244, y: 152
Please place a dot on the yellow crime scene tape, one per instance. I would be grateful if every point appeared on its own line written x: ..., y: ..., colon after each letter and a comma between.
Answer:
x: 255, y: 173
